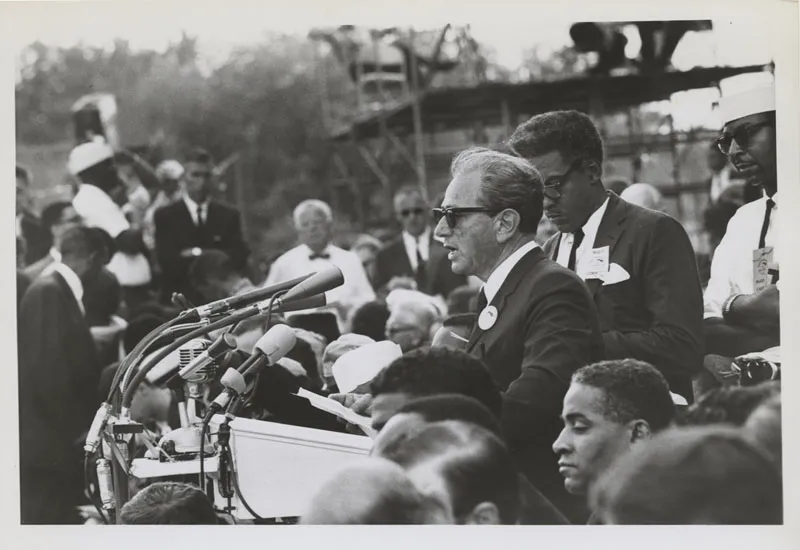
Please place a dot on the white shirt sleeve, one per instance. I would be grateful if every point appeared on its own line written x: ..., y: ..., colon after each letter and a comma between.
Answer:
x: 721, y: 285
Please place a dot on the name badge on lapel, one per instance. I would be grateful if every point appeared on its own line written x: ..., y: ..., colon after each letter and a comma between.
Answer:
x: 487, y: 318
x: 762, y: 261
x: 597, y: 264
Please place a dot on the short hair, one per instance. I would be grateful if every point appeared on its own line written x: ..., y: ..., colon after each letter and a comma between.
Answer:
x: 408, y: 191
x: 732, y: 405
x: 310, y: 204
x: 461, y: 320
x: 474, y: 463
x: 199, y: 155
x: 24, y: 174
x: 169, y: 503
x: 52, y: 213
x: 632, y: 390
x: 139, y: 327
x: 452, y: 406
x: 571, y: 133
x: 431, y: 371
x: 210, y: 265
x: 370, y: 320
x: 425, y: 312
x: 506, y: 182
x: 700, y: 475
x: 83, y: 242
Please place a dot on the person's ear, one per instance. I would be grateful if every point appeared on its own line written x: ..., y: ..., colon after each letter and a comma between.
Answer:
x: 593, y: 170
x: 506, y: 224
x: 485, y: 513
x: 640, y: 431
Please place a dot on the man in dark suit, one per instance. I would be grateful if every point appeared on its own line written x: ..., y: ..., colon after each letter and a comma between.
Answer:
x: 639, y: 264
x: 414, y: 253
x: 187, y: 227
x: 29, y: 227
x: 537, y: 323
x: 58, y: 375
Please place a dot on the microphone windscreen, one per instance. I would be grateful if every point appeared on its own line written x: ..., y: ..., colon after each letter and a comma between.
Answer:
x: 318, y: 283
x: 277, y: 342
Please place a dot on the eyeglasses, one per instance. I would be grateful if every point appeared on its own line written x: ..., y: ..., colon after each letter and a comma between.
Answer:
x: 743, y: 134
x: 393, y: 331
x: 451, y: 213
x: 552, y: 187
x: 412, y: 211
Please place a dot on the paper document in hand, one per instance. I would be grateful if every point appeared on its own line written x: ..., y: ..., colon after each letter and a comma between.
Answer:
x: 337, y: 409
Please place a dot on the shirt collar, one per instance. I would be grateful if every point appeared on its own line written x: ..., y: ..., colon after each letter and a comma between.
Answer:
x: 593, y: 223
x: 193, y: 205
x: 410, y: 239
x: 499, y: 275
x: 308, y: 252
x: 72, y: 280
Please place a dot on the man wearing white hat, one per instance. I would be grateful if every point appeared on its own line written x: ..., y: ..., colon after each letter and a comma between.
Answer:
x: 98, y: 201
x: 741, y: 300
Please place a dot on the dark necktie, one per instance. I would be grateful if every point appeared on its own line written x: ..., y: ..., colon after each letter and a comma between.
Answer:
x: 201, y: 222
x: 420, y: 275
x: 765, y: 225
x: 577, y: 239
x: 320, y: 256
x: 482, y: 301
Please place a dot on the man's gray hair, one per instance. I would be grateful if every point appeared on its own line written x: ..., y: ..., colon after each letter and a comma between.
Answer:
x: 506, y: 182
x: 312, y: 204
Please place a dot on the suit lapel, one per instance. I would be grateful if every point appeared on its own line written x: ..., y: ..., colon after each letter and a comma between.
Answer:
x: 609, y: 231
x: 76, y: 311
x: 507, y: 289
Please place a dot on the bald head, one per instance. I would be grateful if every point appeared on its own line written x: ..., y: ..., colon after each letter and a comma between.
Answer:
x: 410, y: 324
x: 373, y: 492
x: 645, y: 195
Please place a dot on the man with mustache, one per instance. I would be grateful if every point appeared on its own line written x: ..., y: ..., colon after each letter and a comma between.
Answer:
x: 741, y: 300
x: 639, y: 264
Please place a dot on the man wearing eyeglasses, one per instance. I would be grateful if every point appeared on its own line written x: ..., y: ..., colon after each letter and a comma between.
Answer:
x: 741, y: 300
x: 638, y: 264
x: 415, y: 254
x: 536, y: 322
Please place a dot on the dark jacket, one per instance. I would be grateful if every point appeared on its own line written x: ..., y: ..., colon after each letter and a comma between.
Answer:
x: 657, y: 315
x: 176, y: 232
x: 37, y: 239
x: 392, y: 261
x: 546, y: 329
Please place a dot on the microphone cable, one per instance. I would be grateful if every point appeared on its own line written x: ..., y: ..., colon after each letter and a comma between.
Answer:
x: 87, y: 468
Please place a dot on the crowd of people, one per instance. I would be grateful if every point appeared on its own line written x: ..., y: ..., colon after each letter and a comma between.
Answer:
x: 589, y: 377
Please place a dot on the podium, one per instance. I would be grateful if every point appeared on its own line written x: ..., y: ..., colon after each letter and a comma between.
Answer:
x: 279, y: 467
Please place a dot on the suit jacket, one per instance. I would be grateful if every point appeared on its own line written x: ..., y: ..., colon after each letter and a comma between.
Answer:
x: 546, y: 329
x: 176, y: 231
x: 37, y: 239
x: 58, y: 375
x: 392, y: 261
x: 657, y: 315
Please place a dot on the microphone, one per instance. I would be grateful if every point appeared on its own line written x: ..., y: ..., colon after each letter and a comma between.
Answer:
x: 225, y: 343
x: 280, y: 306
x: 235, y: 302
x: 277, y: 342
x: 318, y: 283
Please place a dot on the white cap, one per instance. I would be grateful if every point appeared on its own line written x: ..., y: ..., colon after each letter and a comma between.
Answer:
x: 750, y: 102
x: 171, y: 169
x: 363, y: 364
x: 89, y: 154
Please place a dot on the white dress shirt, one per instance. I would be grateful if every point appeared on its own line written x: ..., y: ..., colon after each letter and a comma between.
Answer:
x: 589, y: 233
x: 732, y: 265
x: 423, y: 242
x: 500, y: 274
x: 355, y: 291
x: 73, y: 282
x: 195, y: 209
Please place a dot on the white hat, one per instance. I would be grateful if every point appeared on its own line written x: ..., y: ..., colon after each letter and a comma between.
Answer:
x: 89, y: 154
x: 363, y: 364
x: 750, y: 102
x: 171, y: 169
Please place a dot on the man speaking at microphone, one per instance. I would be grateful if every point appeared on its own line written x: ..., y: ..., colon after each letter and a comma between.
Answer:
x: 313, y: 220
x: 537, y: 323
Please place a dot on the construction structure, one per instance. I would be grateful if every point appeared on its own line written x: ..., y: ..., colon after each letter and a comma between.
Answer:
x: 420, y: 97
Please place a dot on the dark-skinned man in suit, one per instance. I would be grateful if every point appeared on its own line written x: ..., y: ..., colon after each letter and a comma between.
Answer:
x: 537, y: 323
x: 639, y: 264
x: 414, y: 253
x: 185, y: 228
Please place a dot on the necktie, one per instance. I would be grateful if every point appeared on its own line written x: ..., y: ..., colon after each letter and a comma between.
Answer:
x: 420, y: 275
x: 765, y: 225
x: 201, y: 222
x: 576, y: 242
x: 482, y: 301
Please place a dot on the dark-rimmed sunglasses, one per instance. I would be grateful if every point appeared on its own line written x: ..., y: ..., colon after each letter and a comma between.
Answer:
x: 412, y: 211
x: 451, y: 213
x: 743, y: 134
x: 553, y: 184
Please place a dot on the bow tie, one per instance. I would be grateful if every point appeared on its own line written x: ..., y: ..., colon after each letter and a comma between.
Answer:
x: 321, y: 255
